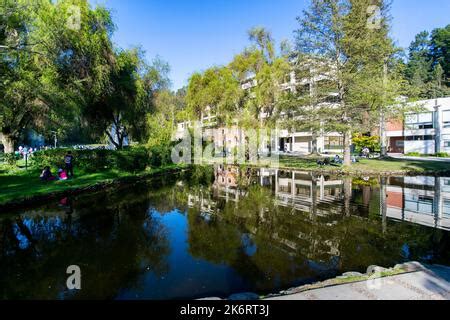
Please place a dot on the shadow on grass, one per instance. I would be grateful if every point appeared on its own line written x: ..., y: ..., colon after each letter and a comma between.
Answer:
x: 25, y: 184
x: 372, y: 165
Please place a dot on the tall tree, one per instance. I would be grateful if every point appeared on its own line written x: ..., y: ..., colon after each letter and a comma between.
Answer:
x: 352, y: 51
x: 28, y: 81
x: 45, y: 61
x: 419, y: 62
x: 217, y: 90
x: 121, y: 111
x: 440, y: 48
x: 428, y: 64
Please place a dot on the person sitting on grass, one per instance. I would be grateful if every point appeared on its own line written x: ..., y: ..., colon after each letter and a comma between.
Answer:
x: 337, y: 160
x: 47, y: 175
x: 62, y: 175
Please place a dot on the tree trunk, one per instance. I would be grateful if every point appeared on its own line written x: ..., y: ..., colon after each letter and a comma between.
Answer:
x: 314, y: 149
x: 120, y: 138
x: 111, y: 139
x: 347, y: 149
x: 314, y: 197
x: 8, y: 142
x: 347, y: 196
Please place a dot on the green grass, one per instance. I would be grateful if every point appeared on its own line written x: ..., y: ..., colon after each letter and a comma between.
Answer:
x: 372, y: 166
x: 20, y: 184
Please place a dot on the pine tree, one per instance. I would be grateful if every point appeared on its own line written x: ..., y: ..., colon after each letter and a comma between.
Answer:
x: 349, y: 40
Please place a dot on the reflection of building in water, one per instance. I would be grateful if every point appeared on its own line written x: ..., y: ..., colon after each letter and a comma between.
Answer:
x: 203, y: 203
x: 302, y: 189
x: 297, y: 189
x: 226, y: 176
x: 421, y: 200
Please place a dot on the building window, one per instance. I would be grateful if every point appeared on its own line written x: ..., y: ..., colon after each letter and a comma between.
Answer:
x: 334, y: 143
x: 419, y: 138
x: 419, y: 121
x: 446, y: 118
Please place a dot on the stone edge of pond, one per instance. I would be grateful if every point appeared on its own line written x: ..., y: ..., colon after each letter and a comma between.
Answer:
x: 43, y: 198
x: 373, y: 272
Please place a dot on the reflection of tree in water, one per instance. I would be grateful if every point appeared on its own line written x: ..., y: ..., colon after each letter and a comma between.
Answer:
x: 114, y: 237
x: 114, y: 243
x: 292, y: 245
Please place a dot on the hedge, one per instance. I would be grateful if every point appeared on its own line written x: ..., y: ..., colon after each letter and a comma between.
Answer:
x: 129, y: 160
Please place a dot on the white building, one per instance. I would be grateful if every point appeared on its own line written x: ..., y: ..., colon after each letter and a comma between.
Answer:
x: 289, y: 142
x: 425, y: 132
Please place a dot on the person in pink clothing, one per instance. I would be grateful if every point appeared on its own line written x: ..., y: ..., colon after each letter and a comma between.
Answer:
x: 62, y: 174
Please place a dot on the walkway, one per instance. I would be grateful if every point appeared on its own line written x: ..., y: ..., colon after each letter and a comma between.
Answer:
x: 403, y: 157
x: 431, y: 283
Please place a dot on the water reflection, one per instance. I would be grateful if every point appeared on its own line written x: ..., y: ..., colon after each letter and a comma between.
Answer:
x: 422, y: 200
x: 217, y: 231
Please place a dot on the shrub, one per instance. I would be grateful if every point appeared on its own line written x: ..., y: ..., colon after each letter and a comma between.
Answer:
x: 10, y: 158
x: 442, y: 155
x: 160, y: 155
x: 360, y: 142
x: 130, y: 160
x: 413, y: 154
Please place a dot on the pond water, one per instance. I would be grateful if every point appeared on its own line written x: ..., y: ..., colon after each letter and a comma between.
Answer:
x: 217, y: 231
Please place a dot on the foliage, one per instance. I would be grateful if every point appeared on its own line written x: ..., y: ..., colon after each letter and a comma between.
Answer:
x: 362, y: 141
x: 413, y: 154
x: 91, y: 161
x: 358, y: 62
x: 217, y: 91
x: 428, y: 67
x: 160, y: 155
x: 10, y: 159
x: 442, y: 155
x: 27, y: 84
x: 70, y: 77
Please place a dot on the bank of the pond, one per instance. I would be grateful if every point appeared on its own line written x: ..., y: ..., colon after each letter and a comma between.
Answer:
x: 411, y: 280
x: 369, y: 167
x: 22, y: 189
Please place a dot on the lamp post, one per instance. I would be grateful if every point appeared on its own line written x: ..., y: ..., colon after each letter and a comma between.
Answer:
x: 383, y: 136
x: 56, y: 140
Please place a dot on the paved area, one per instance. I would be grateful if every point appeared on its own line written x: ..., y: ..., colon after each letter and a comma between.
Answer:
x: 403, y: 157
x: 431, y: 283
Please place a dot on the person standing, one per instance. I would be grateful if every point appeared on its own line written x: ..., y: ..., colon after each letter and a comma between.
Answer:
x: 68, y: 160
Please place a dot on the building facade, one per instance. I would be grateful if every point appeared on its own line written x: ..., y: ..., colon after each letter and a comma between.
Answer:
x: 423, y: 132
x: 286, y: 141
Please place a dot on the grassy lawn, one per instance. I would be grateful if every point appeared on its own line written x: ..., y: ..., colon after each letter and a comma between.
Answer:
x: 370, y: 166
x: 23, y: 184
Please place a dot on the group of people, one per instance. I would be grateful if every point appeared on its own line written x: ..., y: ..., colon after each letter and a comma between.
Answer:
x: 25, y: 152
x: 63, y: 174
x: 337, y: 160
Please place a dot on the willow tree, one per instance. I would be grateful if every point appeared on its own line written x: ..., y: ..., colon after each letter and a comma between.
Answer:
x: 268, y: 71
x: 24, y: 73
x: 52, y: 56
x: 218, y: 91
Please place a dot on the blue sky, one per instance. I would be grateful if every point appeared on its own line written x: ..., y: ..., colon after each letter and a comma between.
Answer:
x: 192, y: 35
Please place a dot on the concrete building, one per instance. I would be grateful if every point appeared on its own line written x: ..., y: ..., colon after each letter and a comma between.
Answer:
x: 227, y: 139
x: 424, y: 132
